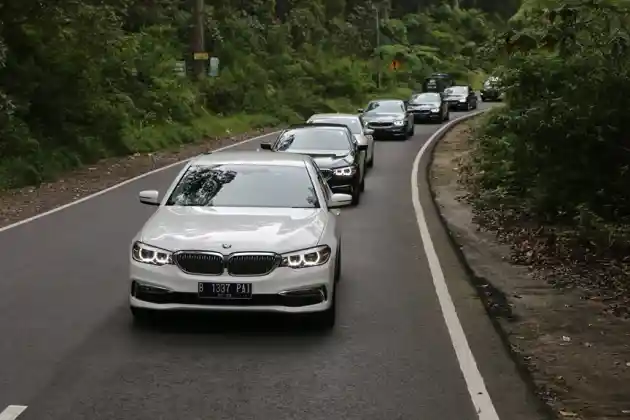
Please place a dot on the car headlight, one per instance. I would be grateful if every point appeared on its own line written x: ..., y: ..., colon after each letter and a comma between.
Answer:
x: 435, y: 109
x: 151, y: 255
x: 462, y: 100
x: 399, y: 123
x: 311, y: 257
x: 347, y: 171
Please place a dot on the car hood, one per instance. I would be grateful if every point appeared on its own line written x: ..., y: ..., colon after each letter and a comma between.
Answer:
x: 244, y: 229
x: 454, y: 97
x: 383, y: 117
x: 425, y: 104
x: 326, y: 159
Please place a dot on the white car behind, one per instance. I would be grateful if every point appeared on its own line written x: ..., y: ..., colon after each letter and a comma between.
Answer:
x: 361, y: 133
x: 240, y: 231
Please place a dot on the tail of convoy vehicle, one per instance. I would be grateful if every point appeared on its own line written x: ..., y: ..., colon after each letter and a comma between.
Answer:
x: 437, y: 82
x: 491, y: 90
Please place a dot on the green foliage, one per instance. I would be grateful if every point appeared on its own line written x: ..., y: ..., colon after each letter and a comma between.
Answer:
x: 560, y: 148
x: 80, y: 81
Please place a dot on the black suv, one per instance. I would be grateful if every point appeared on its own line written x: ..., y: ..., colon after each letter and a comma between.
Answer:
x: 335, y: 151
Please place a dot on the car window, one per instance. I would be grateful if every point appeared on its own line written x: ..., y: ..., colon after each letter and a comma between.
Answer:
x: 313, y: 139
x: 426, y: 97
x: 352, y: 123
x: 457, y: 90
x: 385, y: 107
x: 245, y: 185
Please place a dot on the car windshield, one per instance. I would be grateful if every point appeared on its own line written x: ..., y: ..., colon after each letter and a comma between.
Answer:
x: 387, y: 107
x: 457, y: 90
x: 314, y: 139
x: 426, y: 97
x: 491, y: 82
x: 245, y: 185
x: 352, y: 122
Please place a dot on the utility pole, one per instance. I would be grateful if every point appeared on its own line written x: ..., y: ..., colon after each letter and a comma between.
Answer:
x: 197, y: 40
x: 378, y: 45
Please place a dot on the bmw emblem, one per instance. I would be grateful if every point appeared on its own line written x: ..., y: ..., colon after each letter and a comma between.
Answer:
x: 226, y: 246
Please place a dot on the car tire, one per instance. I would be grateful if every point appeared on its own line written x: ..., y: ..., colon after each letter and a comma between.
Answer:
x: 142, y: 315
x: 338, y: 265
x: 325, y: 320
x: 356, y: 196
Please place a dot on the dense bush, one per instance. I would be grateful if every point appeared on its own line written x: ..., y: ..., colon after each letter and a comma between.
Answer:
x: 560, y: 147
x: 83, y: 80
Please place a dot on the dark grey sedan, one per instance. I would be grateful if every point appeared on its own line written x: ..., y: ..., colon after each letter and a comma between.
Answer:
x: 389, y: 118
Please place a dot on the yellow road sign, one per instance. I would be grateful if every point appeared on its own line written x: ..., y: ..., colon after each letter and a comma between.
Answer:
x: 199, y: 56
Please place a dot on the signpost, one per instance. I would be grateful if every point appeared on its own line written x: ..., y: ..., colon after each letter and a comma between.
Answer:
x: 201, y: 56
x: 180, y: 68
x: 213, y: 70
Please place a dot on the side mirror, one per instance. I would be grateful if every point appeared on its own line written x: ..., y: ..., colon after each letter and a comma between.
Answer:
x: 360, y: 110
x: 150, y: 197
x: 339, y: 200
x: 265, y: 146
x: 363, y: 147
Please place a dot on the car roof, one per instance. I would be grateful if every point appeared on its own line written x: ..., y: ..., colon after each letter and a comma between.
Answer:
x: 387, y: 100
x: 338, y: 115
x: 251, y: 158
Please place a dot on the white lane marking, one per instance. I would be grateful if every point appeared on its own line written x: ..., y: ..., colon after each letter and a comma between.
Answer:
x: 128, y: 181
x: 467, y: 364
x: 12, y: 412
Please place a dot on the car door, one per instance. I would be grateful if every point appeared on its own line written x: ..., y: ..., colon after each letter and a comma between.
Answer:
x: 369, y: 137
x: 358, y: 154
x: 408, y: 116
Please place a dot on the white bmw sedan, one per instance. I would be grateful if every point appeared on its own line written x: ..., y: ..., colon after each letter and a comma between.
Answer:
x: 240, y: 231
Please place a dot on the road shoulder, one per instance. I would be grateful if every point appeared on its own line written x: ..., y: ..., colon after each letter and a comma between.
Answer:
x: 575, y: 357
x: 22, y: 203
x: 511, y: 395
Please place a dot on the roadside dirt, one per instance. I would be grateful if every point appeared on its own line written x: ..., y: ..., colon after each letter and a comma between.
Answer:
x: 577, y: 355
x: 19, y: 204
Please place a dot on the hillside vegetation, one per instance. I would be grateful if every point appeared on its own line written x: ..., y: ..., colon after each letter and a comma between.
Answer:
x: 83, y: 80
x: 552, y: 168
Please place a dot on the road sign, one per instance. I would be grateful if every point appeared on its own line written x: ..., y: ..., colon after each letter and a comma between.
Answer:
x: 213, y: 70
x: 180, y: 68
x: 395, y: 65
x: 201, y: 56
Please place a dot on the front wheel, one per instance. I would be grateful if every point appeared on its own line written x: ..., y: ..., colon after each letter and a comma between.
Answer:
x: 356, y: 195
x: 325, y: 320
x: 142, y: 315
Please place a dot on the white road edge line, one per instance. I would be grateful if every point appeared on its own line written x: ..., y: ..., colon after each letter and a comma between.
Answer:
x: 474, y: 380
x: 128, y: 181
x: 12, y: 412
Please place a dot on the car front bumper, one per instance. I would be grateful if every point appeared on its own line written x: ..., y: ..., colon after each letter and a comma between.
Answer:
x: 426, y: 115
x: 388, y: 131
x: 457, y: 105
x: 490, y: 94
x: 284, y: 290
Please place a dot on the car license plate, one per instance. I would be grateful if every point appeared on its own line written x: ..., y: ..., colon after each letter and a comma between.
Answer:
x: 225, y: 290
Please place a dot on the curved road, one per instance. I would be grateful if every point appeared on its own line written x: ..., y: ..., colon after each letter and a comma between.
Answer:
x: 69, y: 350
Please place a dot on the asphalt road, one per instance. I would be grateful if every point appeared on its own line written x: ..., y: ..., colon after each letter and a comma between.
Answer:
x: 69, y: 350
